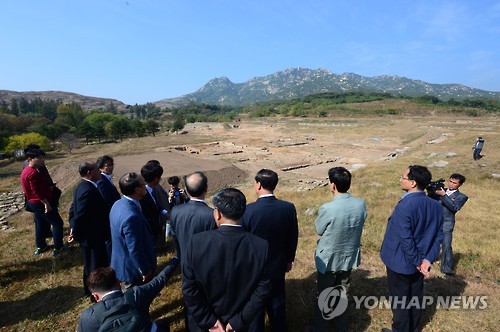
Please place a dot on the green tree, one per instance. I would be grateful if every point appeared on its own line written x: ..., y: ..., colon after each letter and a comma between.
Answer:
x: 18, y: 142
x: 71, y: 115
x: 152, y: 127
x: 178, y: 123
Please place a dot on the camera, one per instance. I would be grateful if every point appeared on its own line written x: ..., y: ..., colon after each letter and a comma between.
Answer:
x: 435, y: 185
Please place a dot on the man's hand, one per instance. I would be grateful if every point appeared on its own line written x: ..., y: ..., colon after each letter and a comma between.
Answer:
x: 70, y: 236
x: 440, y: 192
x: 218, y: 327
x: 229, y: 328
x: 147, y: 277
x: 425, y: 268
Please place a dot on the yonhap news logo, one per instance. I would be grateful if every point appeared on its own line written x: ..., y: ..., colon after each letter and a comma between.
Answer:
x: 332, y: 302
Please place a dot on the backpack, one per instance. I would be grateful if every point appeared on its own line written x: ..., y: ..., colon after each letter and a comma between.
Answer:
x: 123, y: 317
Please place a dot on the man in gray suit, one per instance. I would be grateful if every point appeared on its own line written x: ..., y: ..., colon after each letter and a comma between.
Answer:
x: 193, y: 217
x: 339, y: 225
x: 452, y: 201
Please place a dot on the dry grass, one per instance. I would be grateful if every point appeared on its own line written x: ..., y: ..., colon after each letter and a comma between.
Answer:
x: 45, y: 293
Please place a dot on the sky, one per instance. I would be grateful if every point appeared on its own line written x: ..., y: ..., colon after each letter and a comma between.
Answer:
x: 140, y: 51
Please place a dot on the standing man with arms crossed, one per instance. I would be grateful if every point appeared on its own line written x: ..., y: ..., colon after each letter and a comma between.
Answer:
x: 339, y: 225
x: 89, y: 221
x: 133, y: 256
x: 411, y: 244
x: 224, y: 275
x: 275, y: 221
x: 452, y: 201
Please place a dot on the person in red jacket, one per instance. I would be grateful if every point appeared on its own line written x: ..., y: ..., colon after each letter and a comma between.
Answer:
x: 40, y: 199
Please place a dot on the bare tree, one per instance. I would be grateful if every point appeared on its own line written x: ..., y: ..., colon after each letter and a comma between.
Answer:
x: 70, y: 141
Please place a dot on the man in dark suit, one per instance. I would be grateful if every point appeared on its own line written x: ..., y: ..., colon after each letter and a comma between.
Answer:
x: 452, y: 201
x: 89, y: 221
x: 224, y: 276
x: 273, y: 220
x: 193, y: 217
x: 106, y: 291
x: 152, y: 175
x: 105, y: 183
x: 411, y: 244
x: 133, y: 256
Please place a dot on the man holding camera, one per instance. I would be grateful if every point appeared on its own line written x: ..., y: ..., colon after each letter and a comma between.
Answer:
x: 452, y: 201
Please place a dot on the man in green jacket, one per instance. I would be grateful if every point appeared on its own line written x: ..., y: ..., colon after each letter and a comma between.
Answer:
x: 339, y: 223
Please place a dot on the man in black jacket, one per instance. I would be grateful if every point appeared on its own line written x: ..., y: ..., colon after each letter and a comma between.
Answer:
x: 225, y: 278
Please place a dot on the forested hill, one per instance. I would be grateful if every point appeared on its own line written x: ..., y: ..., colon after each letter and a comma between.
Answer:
x: 86, y: 102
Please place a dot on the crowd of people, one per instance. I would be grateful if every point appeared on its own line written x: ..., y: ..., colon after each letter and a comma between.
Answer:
x: 233, y: 256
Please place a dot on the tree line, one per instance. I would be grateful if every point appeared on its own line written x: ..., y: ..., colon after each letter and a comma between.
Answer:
x: 41, y: 121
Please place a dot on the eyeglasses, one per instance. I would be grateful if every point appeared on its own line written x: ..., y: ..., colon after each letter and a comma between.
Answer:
x: 403, y: 178
x: 109, y: 165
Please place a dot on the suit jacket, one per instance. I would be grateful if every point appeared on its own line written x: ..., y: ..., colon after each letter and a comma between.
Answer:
x: 133, y: 254
x: 414, y: 232
x: 452, y: 204
x: 225, y: 277
x: 108, y: 191
x: 274, y: 220
x: 143, y: 295
x: 189, y: 219
x: 161, y: 197
x: 88, y: 216
x: 340, y: 224
x: 152, y: 213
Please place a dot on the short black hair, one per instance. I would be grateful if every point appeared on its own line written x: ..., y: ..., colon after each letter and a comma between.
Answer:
x: 151, y: 171
x: 230, y: 202
x: 267, y: 178
x: 421, y: 175
x: 85, y: 167
x: 31, y: 147
x: 174, y: 180
x: 129, y: 182
x: 459, y: 177
x: 199, y: 188
x: 102, y: 279
x: 103, y: 160
x: 34, y: 153
x: 341, y: 177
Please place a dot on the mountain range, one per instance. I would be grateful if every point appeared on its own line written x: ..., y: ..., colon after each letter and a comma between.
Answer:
x: 299, y: 82
x: 283, y: 85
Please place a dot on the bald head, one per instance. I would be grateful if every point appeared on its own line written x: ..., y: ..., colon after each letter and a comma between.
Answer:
x: 197, y: 185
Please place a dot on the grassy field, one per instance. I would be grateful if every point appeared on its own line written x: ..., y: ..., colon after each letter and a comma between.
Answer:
x: 45, y: 293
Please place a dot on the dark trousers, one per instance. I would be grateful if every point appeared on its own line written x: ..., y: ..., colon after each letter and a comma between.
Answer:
x: 402, y: 288
x: 93, y: 257
x: 42, y: 219
x: 446, y: 248
x: 275, y: 308
x: 326, y: 280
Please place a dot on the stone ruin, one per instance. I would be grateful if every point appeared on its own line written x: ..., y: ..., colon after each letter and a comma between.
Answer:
x: 10, y: 203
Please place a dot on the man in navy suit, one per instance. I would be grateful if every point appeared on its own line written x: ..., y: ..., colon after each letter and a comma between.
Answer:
x: 273, y: 220
x: 133, y: 256
x: 152, y: 173
x: 193, y: 217
x: 452, y: 201
x: 89, y: 221
x: 225, y: 278
x: 411, y: 244
x: 105, y: 183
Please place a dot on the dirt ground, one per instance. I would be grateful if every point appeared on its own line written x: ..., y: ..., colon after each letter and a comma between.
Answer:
x: 300, y: 150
